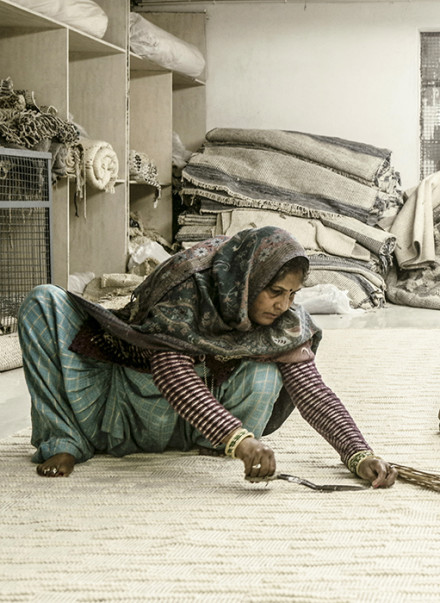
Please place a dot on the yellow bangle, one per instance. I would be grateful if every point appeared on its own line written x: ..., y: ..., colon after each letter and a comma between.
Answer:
x: 235, y: 440
x: 356, y: 459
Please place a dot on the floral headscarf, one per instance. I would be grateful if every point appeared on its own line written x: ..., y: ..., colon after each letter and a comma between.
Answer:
x: 197, y: 301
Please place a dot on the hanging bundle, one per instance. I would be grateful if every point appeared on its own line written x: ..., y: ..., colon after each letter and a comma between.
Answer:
x: 143, y: 170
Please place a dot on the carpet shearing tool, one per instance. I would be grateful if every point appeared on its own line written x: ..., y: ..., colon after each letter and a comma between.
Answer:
x: 304, y: 482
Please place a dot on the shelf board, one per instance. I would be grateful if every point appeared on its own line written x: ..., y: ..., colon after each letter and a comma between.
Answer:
x: 138, y: 63
x: 79, y: 41
x: 135, y: 183
x: 180, y: 80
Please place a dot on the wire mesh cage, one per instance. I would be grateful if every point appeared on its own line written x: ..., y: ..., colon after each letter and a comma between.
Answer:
x: 25, y: 229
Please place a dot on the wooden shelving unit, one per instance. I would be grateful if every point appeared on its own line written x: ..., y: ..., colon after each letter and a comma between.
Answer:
x: 117, y: 97
x: 162, y: 102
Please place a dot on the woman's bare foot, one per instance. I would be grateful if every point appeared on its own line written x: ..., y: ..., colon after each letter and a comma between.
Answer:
x: 59, y: 465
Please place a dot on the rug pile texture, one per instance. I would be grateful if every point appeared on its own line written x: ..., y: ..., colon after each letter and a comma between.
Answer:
x: 178, y: 527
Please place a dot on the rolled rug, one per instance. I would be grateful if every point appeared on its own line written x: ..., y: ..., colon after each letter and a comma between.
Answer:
x: 154, y: 43
x: 101, y: 164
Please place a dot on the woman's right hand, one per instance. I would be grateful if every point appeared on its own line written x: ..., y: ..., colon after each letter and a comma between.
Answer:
x: 258, y: 458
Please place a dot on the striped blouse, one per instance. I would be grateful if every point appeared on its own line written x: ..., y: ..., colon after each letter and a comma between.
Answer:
x: 176, y: 379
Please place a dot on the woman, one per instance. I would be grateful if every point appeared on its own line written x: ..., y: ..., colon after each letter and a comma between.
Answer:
x: 210, y: 352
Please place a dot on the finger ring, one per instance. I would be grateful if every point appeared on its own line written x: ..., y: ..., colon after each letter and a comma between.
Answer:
x: 256, y: 466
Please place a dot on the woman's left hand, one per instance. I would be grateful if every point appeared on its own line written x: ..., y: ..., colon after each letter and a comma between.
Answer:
x: 377, y: 471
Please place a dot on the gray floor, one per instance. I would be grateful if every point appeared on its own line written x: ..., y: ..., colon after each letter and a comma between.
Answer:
x: 15, y: 401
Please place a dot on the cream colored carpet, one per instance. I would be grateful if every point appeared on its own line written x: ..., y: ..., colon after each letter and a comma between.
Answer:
x: 187, y: 528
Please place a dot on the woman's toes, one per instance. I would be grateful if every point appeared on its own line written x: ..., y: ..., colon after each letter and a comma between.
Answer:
x: 47, y: 471
x: 60, y: 465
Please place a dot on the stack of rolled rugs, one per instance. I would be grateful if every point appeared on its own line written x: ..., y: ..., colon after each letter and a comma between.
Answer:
x: 337, y: 197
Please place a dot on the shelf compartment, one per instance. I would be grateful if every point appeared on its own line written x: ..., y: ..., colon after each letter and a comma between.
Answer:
x: 99, y: 241
x: 12, y: 15
x: 98, y: 99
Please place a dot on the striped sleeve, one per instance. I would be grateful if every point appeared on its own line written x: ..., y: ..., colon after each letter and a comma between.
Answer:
x: 176, y: 379
x: 321, y: 408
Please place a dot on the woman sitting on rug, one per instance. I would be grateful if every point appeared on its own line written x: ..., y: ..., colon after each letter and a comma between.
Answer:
x: 211, y: 352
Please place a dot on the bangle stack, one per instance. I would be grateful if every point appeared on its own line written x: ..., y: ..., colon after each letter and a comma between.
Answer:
x: 356, y: 459
x: 235, y: 440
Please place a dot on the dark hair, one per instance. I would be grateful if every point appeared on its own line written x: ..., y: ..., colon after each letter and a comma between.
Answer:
x: 298, y: 264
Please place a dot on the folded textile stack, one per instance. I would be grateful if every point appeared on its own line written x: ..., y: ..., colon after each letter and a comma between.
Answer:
x: 337, y: 197
x: 296, y: 173
x: 414, y: 279
x: 195, y: 227
x: 26, y: 125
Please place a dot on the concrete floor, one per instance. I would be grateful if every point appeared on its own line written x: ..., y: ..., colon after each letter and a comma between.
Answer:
x: 15, y: 401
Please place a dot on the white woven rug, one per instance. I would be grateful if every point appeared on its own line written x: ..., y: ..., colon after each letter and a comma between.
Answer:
x: 186, y: 528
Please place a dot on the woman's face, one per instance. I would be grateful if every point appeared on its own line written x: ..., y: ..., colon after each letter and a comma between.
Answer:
x: 275, y: 299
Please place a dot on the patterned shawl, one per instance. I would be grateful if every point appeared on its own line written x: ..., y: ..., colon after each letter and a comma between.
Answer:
x: 197, y: 301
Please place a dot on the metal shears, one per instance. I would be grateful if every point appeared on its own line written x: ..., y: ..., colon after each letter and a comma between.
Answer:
x: 304, y: 482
